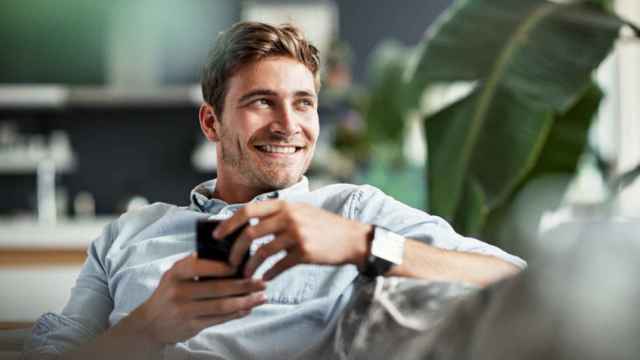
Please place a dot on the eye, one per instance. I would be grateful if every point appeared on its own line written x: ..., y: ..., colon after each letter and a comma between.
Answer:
x: 305, y: 103
x: 262, y: 102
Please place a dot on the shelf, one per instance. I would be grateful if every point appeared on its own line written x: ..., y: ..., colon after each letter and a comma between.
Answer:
x: 21, y: 166
x: 37, y: 96
x: 62, y: 97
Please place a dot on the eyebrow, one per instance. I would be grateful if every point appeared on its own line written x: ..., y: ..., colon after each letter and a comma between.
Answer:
x: 267, y: 92
x: 304, y: 93
x: 254, y: 93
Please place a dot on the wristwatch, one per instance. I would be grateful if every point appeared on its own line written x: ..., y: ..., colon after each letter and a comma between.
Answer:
x: 387, y: 249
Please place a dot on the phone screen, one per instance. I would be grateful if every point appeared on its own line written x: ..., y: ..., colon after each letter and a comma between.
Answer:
x: 213, y: 249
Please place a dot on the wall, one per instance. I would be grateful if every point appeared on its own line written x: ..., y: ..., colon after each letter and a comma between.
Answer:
x: 364, y: 23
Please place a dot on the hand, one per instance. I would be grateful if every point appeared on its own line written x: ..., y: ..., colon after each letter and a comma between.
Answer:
x: 181, y: 307
x: 307, y: 233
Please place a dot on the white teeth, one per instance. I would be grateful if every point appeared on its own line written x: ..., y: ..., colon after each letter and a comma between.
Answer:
x: 279, y: 149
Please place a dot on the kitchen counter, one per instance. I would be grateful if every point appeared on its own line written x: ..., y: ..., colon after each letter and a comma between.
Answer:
x: 70, y: 234
x: 44, y: 259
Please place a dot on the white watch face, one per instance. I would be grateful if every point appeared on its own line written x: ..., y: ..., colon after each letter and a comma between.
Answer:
x: 387, y: 245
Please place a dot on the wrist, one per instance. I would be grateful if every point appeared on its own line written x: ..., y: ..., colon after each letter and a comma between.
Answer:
x: 135, y: 326
x: 386, y: 250
x: 363, y: 238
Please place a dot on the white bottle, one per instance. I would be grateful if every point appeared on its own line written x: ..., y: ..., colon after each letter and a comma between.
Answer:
x: 47, y: 208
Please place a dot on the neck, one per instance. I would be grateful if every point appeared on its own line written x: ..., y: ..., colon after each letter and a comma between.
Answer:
x: 235, y: 193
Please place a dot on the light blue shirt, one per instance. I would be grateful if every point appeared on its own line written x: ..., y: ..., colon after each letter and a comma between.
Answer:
x: 125, y: 264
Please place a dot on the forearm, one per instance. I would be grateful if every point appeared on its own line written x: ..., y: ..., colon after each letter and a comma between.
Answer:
x: 177, y: 310
x: 126, y: 340
x: 428, y: 262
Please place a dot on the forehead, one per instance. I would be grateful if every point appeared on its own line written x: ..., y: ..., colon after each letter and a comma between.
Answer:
x: 284, y: 76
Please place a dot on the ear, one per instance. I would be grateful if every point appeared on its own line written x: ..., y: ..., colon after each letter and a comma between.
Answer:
x: 207, y: 121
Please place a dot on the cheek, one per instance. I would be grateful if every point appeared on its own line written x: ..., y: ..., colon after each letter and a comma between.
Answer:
x: 312, y: 129
x: 239, y: 134
x: 250, y: 125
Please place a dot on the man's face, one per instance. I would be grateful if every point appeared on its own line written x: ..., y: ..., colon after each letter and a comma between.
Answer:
x: 269, y: 125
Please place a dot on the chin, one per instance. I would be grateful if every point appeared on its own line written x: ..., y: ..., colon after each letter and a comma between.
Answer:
x: 279, y: 176
x: 281, y: 182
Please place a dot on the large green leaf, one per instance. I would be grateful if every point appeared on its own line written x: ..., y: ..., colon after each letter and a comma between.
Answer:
x: 568, y: 137
x: 561, y: 153
x: 472, y: 212
x: 530, y: 59
x: 535, y: 48
x: 506, y: 151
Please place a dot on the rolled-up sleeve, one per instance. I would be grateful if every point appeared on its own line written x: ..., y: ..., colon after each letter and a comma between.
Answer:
x: 373, y: 206
x: 84, y: 316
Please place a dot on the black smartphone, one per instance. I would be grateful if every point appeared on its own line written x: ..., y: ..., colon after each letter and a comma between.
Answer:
x: 220, y: 250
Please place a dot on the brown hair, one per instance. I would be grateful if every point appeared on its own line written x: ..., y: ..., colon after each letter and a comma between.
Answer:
x: 247, y: 42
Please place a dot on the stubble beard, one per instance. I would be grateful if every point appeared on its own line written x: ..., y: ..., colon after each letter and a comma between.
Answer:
x: 273, y: 177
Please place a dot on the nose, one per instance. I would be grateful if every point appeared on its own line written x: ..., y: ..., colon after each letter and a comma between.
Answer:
x: 285, y: 122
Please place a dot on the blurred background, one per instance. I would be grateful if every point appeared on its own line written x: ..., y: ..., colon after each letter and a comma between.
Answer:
x: 98, y: 114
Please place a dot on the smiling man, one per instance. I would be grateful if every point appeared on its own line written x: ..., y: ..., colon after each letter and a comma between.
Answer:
x: 268, y: 129
x: 137, y: 295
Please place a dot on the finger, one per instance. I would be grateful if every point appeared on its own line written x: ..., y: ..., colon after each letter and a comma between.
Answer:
x: 225, y: 306
x: 289, y: 261
x: 265, y: 251
x: 191, y: 267
x: 200, y: 323
x: 242, y: 216
x: 197, y: 290
x: 269, y: 225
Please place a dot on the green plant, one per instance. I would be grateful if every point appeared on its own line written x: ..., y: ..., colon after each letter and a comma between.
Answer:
x: 527, y: 66
x: 385, y: 106
x: 389, y: 97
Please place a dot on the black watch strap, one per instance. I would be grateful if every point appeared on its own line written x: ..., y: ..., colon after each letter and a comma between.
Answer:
x: 375, y: 265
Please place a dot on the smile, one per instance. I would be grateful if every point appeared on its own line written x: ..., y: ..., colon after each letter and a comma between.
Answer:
x: 278, y: 149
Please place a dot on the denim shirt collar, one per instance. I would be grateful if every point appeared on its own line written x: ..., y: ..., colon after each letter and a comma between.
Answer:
x: 202, y: 195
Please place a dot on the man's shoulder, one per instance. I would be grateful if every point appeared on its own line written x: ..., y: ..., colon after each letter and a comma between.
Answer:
x: 339, y: 197
x: 143, y: 217
x: 340, y: 191
x: 153, y: 221
x: 147, y: 212
x: 345, y: 188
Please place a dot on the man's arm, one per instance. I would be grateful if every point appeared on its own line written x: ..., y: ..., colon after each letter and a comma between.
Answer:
x: 429, y: 262
x: 126, y: 340
x: 86, y: 313
x: 312, y: 235
x: 177, y: 310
